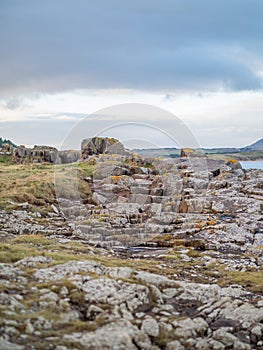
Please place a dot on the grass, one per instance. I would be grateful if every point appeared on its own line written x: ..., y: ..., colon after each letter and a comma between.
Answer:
x: 40, y: 184
x: 7, y: 160
x: 250, y: 280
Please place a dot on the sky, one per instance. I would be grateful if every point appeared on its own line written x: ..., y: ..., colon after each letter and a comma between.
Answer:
x: 62, y: 62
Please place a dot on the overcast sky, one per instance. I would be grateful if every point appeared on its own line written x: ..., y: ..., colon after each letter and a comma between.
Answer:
x: 61, y: 61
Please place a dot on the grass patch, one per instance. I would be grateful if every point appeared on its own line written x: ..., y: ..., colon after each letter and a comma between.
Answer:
x: 250, y: 280
x: 40, y: 184
x: 7, y: 160
x: 10, y: 253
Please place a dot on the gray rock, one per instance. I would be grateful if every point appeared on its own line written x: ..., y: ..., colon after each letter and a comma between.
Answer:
x: 104, y: 290
x: 174, y: 345
x: 189, y: 328
x: 61, y: 271
x: 150, y: 327
x: 100, y: 145
x: 121, y: 335
x: 6, y: 345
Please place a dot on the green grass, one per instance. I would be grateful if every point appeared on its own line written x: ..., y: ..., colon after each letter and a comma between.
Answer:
x: 7, y: 160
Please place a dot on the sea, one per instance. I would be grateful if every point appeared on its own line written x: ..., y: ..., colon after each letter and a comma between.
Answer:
x: 255, y: 164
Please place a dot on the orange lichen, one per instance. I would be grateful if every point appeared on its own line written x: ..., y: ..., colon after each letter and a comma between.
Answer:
x: 232, y: 161
x: 116, y: 178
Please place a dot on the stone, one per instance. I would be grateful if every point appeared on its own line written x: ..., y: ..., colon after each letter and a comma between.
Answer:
x: 190, y: 152
x: 104, y: 290
x: 121, y: 335
x: 55, y: 209
x: 191, y: 328
x: 29, y: 328
x: 257, y: 330
x: 100, y: 145
x: 155, y: 279
x: 6, y: 345
x: 62, y: 271
x: 174, y: 345
x: 150, y: 327
x: 68, y: 156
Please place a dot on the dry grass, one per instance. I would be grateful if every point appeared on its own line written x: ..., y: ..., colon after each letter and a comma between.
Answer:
x: 40, y: 184
x: 250, y: 280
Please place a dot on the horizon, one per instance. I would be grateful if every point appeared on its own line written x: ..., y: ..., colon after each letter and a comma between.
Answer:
x: 135, y: 148
x: 62, y: 62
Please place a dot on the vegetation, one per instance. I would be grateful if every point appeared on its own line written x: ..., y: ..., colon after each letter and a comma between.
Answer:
x: 5, y: 141
x: 40, y: 184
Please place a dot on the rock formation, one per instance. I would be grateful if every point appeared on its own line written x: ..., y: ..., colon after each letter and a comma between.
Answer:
x: 190, y: 152
x: 182, y: 268
x: 41, y: 154
x: 102, y: 145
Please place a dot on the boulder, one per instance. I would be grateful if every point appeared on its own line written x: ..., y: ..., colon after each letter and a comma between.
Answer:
x: 190, y: 152
x: 102, y: 145
x: 233, y: 164
x: 68, y: 156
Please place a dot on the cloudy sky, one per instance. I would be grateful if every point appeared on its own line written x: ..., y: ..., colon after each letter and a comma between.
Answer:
x: 62, y: 61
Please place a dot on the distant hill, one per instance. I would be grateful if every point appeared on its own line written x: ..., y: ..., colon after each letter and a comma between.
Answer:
x: 2, y: 141
x: 256, y: 145
x: 253, y: 151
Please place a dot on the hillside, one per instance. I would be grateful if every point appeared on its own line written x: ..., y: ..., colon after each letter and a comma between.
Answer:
x: 256, y: 145
x: 251, y: 152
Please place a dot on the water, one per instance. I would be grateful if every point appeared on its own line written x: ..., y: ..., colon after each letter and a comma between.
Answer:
x: 256, y: 164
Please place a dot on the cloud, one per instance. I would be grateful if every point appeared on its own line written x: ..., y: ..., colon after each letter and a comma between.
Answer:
x: 54, y: 46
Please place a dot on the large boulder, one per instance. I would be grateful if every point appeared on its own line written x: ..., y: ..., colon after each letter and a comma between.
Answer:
x: 68, y: 156
x: 102, y: 145
x: 190, y: 152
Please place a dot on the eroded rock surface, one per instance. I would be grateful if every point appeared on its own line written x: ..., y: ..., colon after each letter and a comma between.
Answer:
x: 168, y: 256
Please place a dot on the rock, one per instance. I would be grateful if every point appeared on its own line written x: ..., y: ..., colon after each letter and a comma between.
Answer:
x: 198, y: 291
x: 121, y: 335
x: 38, y: 154
x: 55, y: 209
x: 62, y: 271
x: 245, y: 313
x: 229, y: 340
x: 6, y: 345
x: 174, y: 345
x: 68, y: 156
x: 150, y: 327
x: 155, y: 279
x: 29, y: 328
x: 33, y: 261
x: 100, y: 145
x: 233, y: 164
x: 191, y: 328
x: 104, y: 290
x: 205, y: 344
x: 190, y: 152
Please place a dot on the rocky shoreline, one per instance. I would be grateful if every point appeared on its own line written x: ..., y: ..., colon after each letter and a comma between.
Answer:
x: 167, y: 254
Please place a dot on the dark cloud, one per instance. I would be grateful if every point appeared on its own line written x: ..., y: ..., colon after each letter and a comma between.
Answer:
x: 54, y: 45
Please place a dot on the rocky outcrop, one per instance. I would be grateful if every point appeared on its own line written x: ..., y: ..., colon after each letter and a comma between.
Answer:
x: 68, y: 156
x: 182, y: 268
x: 102, y: 145
x: 190, y: 152
x: 37, y: 154
x: 41, y: 154
x: 90, y: 305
